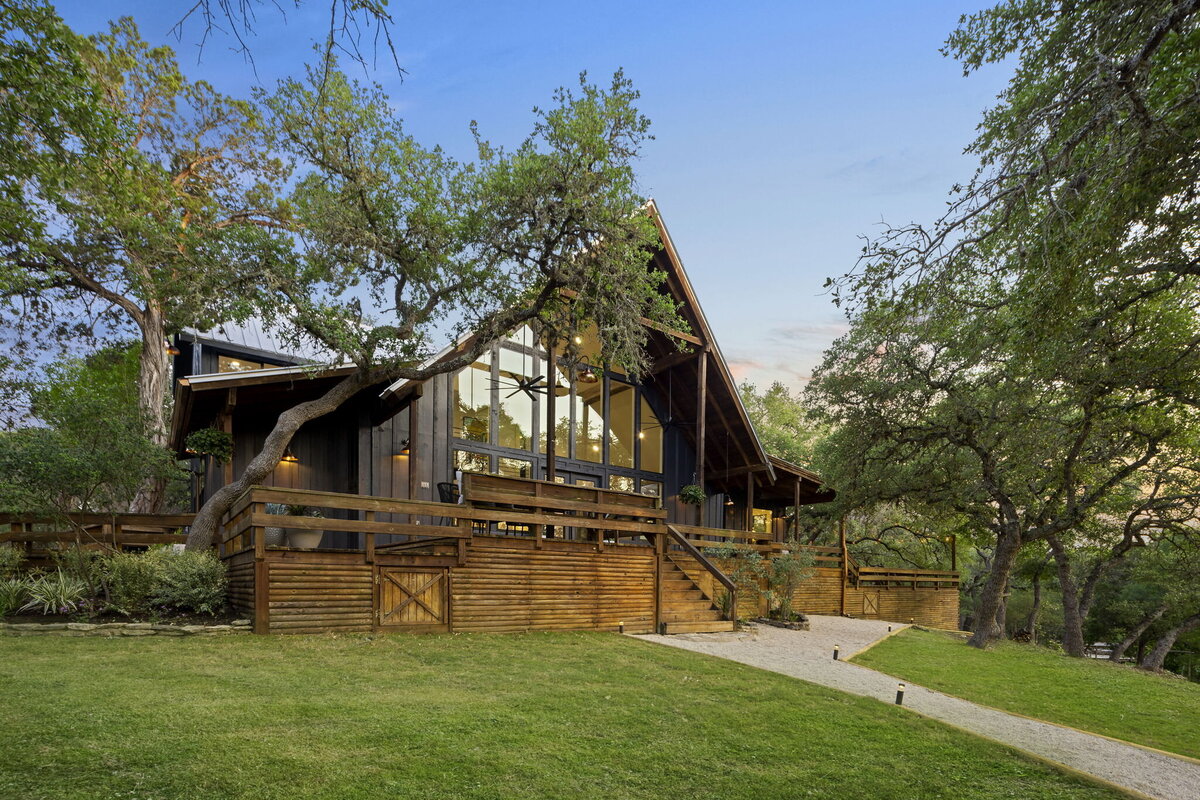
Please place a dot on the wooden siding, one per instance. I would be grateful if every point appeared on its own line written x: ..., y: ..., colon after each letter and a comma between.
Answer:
x: 319, y: 592
x: 240, y: 573
x: 507, y: 585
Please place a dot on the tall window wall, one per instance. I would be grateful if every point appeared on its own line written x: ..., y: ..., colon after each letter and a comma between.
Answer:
x: 604, y: 430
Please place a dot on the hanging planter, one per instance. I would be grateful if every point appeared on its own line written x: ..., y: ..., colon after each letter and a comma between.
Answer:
x: 692, y: 494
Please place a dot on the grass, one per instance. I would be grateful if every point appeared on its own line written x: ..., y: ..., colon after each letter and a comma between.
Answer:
x: 1095, y: 696
x: 564, y: 715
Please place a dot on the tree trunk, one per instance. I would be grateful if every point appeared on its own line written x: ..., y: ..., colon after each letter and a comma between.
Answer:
x: 1136, y: 632
x: 1072, y: 619
x: 1032, y: 620
x: 1008, y: 544
x: 1154, y: 661
x: 208, y: 520
x: 152, y: 401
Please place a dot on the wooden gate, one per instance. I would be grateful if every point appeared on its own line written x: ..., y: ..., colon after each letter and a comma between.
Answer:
x: 412, y: 599
x: 870, y: 604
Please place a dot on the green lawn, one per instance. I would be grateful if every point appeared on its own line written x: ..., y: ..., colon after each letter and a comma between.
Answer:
x: 532, y: 715
x: 1096, y: 696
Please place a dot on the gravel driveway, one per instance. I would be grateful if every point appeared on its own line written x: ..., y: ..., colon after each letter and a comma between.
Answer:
x: 808, y: 655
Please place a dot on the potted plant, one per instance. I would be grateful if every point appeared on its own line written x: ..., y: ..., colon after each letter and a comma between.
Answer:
x: 304, y: 538
x: 273, y: 535
x: 692, y: 494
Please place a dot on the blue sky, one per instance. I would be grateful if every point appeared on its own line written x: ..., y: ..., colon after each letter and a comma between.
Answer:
x: 784, y: 131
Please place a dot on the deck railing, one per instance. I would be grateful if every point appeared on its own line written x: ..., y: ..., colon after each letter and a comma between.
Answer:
x: 679, y: 538
x: 112, y: 531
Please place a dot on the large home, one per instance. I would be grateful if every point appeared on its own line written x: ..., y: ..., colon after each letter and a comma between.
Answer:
x: 524, y: 491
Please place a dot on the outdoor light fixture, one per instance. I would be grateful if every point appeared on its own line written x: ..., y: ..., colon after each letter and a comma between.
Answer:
x: 729, y: 500
x: 588, y: 375
x: 289, y: 456
x: 404, y: 448
x: 172, y: 349
x: 578, y: 340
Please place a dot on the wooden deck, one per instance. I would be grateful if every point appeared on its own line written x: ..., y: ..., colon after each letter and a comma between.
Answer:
x: 525, y: 555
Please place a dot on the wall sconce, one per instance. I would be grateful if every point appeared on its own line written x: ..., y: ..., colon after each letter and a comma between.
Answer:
x: 289, y: 456
x: 588, y: 375
x: 172, y: 349
x: 729, y: 500
x: 404, y: 448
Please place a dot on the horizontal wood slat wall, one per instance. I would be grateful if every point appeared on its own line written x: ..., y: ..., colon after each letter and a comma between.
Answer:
x: 320, y: 592
x: 239, y: 570
x: 508, y: 585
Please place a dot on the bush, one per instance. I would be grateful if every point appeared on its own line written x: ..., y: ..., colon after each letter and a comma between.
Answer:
x: 83, y: 565
x: 191, y: 581
x: 132, y: 580
x: 13, y: 594
x: 56, y: 593
x: 10, y: 560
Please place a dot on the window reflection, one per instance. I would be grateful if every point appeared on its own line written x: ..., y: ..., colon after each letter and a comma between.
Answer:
x: 650, y: 439
x: 589, y: 421
x: 473, y: 400
x: 620, y: 424
x: 515, y: 405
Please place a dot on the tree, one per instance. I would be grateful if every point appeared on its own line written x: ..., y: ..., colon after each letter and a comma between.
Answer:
x: 91, y: 454
x: 549, y: 232
x: 133, y: 198
x: 781, y: 422
x: 1035, y: 350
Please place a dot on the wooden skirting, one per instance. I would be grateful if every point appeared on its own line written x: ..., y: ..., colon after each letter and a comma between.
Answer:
x: 505, y: 584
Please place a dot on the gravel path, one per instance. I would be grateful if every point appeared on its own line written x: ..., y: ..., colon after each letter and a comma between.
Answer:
x: 809, y: 655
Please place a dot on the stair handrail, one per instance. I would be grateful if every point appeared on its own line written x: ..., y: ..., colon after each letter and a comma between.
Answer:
x: 712, y: 568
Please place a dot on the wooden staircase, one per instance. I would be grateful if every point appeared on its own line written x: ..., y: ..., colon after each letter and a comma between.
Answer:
x: 685, y: 608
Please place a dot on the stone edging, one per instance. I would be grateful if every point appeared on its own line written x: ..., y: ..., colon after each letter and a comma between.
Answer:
x: 110, y: 629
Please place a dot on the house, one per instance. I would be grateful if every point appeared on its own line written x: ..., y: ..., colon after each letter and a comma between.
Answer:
x: 525, y: 491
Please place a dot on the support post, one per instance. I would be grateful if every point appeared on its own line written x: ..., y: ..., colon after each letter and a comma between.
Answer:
x: 551, y: 413
x: 795, y: 511
x: 749, y: 521
x: 262, y: 579
x: 369, y: 536
x: 845, y: 565
x: 701, y: 406
x: 659, y: 555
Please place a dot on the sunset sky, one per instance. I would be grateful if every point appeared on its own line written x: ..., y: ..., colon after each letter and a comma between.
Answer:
x: 784, y: 131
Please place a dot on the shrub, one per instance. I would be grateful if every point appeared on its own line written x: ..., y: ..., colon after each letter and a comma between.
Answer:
x: 56, y: 593
x: 83, y: 565
x: 132, y: 580
x: 191, y: 581
x: 13, y: 593
x: 785, y: 572
x: 10, y: 560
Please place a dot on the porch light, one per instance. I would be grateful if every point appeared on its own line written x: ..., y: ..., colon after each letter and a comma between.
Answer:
x: 289, y: 456
x: 404, y: 448
x: 172, y: 349
x: 588, y: 375
x: 729, y: 500
x: 578, y: 339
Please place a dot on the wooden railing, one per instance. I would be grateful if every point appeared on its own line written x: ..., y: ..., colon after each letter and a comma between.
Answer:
x: 678, y: 537
x: 888, y: 576
x: 95, y: 530
x: 491, y: 505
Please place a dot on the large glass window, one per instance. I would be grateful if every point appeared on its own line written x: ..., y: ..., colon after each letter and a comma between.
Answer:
x: 514, y: 467
x: 621, y: 404
x: 562, y: 415
x: 589, y: 421
x: 471, y: 462
x: 473, y: 400
x: 515, y: 417
x: 650, y: 440
x: 231, y: 364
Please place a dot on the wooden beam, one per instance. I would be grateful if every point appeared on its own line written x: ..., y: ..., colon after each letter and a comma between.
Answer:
x: 845, y: 565
x: 673, y: 360
x: 749, y: 501
x: 551, y: 414
x: 701, y: 406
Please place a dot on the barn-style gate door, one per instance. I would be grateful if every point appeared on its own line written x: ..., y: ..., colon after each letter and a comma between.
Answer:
x: 870, y: 604
x: 412, y: 599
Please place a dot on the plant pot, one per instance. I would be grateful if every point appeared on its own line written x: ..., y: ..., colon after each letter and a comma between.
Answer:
x: 304, y: 539
x: 273, y: 536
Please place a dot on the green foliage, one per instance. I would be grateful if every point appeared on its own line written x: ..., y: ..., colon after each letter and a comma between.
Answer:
x: 132, y: 581
x: 86, y: 566
x: 782, y: 422
x: 555, y: 689
x: 210, y: 442
x: 10, y: 560
x: 786, y: 571
x: 191, y: 581
x: 14, y: 592
x: 692, y: 495
x: 55, y: 593
x: 93, y: 453
x: 1098, y: 696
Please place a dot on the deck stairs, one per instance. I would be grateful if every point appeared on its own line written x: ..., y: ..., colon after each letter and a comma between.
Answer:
x: 685, y: 607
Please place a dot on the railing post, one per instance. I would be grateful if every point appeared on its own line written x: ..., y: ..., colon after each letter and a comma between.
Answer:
x: 262, y: 575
